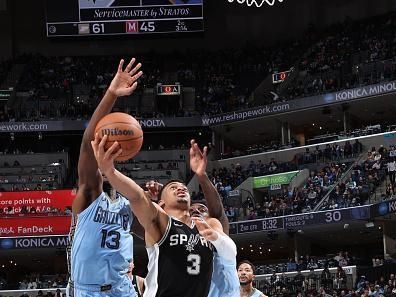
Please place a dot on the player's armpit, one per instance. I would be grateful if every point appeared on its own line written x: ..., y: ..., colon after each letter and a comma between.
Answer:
x: 155, y: 232
x: 87, y: 192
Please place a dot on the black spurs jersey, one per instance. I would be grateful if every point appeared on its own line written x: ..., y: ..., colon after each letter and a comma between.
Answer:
x: 180, y: 264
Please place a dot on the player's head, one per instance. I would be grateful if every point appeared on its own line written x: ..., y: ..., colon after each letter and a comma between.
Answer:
x: 246, y: 272
x: 174, y: 195
x: 199, y: 210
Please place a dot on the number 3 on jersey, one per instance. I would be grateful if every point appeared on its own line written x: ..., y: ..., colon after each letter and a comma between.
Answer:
x: 114, y: 239
x: 195, y: 266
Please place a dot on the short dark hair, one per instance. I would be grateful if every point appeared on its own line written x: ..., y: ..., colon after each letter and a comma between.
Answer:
x: 249, y: 263
x: 169, y: 182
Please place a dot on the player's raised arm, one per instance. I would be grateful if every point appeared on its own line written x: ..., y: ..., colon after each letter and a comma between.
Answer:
x: 151, y: 217
x: 198, y: 162
x: 89, y: 178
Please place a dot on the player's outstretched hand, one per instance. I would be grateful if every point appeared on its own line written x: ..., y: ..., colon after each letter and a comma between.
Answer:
x: 198, y: 158
x: 104, y: 158
x: 153, y: 189
x: 124, y: 82
x: 205, y: 230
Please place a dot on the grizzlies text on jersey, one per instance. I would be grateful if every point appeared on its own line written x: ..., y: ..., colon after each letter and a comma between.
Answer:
x: 102, y: 245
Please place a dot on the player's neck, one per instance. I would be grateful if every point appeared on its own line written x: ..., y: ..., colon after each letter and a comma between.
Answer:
x: 181, y: 215
x: 246, y: 290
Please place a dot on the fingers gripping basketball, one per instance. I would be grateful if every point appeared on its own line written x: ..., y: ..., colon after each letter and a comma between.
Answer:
x: 124, y: 129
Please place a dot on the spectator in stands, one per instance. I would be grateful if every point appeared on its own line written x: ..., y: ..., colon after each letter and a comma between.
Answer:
x: 32, y: 284
x: 362, y: 283
x: 312, y: 264
x: 23, y: 285
x: 310, y: 282
x: 340, y: 279
x: 391, y: 166
x: 291, y: 265
x: 326, y: 279
x: 273, y: 281
x: 298, y: 282
x: 377, y: 261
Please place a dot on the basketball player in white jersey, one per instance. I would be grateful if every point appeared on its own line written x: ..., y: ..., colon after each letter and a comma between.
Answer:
x: 224, y: 281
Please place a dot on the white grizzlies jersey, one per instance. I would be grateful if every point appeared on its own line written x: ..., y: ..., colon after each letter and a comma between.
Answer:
x: 102, y: 246
x: 225, y: 281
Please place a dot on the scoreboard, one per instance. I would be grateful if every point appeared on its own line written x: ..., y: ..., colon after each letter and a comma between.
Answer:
x: 279, y: 77
x: 122, y: 17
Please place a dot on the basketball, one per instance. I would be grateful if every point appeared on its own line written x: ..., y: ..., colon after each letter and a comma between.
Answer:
x: 124, y: 129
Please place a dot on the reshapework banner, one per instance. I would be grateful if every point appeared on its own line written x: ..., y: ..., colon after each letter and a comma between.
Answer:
x: 303, y: 103
x: 34, y: 242
x: 242, y: 115
x: 34, y: 226
x: 8, y: 127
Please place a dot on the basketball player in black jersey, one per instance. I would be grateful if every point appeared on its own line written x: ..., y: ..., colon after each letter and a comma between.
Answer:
x: 180, y: 260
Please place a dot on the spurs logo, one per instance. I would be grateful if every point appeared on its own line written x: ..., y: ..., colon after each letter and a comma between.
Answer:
x: 258, y: 3
x: 192, y: 242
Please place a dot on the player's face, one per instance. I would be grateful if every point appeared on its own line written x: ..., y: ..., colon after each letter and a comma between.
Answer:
x: 199, y: 210
x: 176, y: 192
x: 245, y: 274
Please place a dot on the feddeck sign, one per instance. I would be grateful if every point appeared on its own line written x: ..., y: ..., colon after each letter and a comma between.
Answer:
x: 34, y: 226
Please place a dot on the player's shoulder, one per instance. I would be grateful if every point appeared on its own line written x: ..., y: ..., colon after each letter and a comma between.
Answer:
x: 262, y: 294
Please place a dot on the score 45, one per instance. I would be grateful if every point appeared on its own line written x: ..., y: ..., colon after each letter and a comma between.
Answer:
x: 136, y: 26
